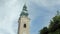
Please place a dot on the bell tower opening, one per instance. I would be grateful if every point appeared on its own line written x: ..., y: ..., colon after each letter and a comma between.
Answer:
x: 24, y: 25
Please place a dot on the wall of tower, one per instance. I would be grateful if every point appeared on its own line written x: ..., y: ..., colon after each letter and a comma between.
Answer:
x: 22, y: 29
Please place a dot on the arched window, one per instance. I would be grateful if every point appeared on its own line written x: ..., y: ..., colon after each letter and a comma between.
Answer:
x: 24, y: 25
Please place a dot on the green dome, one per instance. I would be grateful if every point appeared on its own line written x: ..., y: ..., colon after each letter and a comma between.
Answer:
x: 24, y: 11
x: 24, y: 14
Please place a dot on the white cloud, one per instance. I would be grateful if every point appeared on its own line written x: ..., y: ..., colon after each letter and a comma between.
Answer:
x: 46, y: 3
x: 9, y: 12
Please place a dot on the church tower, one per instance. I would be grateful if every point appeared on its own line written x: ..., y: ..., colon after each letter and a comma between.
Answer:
x: 23, y: 21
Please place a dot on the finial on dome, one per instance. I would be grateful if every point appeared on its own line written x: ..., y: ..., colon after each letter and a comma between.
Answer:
x: 25, y: 7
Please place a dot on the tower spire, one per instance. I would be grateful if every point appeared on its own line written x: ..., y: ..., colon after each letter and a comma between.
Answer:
x: 25, y: 7
x: 24, y: 11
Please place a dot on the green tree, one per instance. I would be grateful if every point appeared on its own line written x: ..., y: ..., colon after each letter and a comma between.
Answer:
x: 54, y: 26
x: 44, y: 31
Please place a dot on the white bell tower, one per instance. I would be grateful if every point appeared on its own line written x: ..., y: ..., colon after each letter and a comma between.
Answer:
x: 23, y: 22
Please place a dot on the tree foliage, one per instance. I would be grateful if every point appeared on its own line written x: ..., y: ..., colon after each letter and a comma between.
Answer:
x: 54, y: 26
x: 44, y: 30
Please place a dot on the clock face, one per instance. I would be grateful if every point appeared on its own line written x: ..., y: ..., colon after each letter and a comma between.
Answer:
x: 24, y: 32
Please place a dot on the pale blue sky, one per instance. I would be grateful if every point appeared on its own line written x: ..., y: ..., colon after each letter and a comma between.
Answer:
x: 40, y: 13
